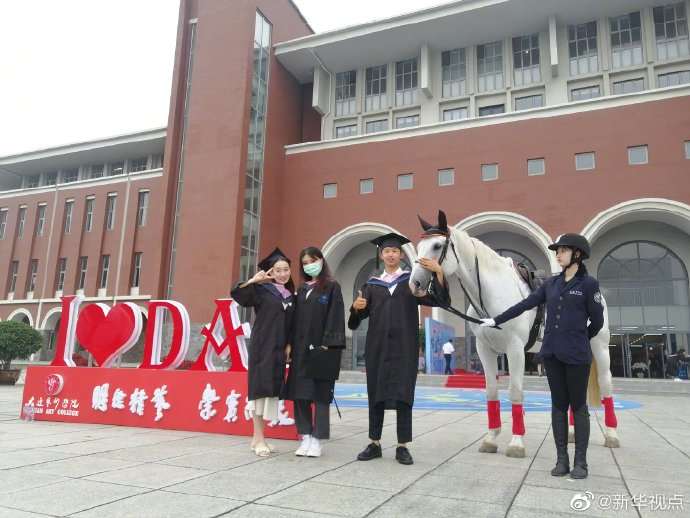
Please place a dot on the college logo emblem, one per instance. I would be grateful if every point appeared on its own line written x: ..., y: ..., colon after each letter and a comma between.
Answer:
x: 54, y: 384
x: 597, y: 297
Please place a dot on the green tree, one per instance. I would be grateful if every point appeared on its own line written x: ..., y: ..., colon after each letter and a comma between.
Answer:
x: 17, y: 340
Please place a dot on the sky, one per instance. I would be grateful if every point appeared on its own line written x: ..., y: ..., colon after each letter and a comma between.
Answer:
x: 76, y: 70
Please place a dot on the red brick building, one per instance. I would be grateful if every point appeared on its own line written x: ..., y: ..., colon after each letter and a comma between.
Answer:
x: 521, y: 119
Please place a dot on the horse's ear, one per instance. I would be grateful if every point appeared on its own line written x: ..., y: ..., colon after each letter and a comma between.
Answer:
x: 425, y: 225
x: 442, y: 221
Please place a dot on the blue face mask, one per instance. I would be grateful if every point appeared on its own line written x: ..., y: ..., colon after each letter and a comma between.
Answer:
x: 313, y: 269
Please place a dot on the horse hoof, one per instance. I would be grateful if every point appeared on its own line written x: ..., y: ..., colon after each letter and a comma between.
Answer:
x: 612, y: 442
x: 516, y: 452
x: 487, y: 447
x: 571, y: 437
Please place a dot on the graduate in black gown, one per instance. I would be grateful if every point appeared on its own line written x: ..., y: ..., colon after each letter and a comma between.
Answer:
x: 315, y: 350
x: 271, y: 293
x: 391, y: 353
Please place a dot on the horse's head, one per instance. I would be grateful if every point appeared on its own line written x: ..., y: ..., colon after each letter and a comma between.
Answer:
x: 435, y: 244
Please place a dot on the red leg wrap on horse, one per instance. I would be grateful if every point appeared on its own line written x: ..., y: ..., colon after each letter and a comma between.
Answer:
x: 518, y: 420
x: 571, y: 418
x: 494, y: 409
x: 609, y: 414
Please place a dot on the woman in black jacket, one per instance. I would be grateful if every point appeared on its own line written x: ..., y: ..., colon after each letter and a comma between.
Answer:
x: 572, y: 299
x: 271, y: 293
x: 317, y: 341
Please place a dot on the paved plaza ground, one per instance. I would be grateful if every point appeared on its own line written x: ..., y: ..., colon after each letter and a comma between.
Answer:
x: 56, y: 469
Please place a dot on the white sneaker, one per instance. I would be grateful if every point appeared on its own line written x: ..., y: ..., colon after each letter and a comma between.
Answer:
x: 304, y: 446
x: 314, y: 448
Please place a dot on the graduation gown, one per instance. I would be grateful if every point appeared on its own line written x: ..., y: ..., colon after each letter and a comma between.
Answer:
x: 319, y: 320
x: 269, y: 337
x: 392, y: 350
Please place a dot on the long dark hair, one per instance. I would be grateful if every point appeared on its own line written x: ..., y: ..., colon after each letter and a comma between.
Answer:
x: 325, y: 275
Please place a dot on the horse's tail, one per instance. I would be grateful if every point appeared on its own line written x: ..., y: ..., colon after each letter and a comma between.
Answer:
x: 593, y: 389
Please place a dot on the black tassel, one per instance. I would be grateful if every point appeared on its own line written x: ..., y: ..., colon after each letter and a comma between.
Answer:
x: 377, y: 258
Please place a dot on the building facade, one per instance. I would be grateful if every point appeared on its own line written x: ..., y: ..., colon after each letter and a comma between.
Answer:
x: 521, y: 119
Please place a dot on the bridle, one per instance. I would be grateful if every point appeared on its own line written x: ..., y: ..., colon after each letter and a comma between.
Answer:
x: 479, y: 308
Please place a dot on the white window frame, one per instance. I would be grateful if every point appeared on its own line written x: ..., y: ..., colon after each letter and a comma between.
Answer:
x: 586, y: 154
x: 3, y: 222
x: 486, y: 168
x: 490, y: 67
x: 622, y: 86
x: 41, y: 218
x: 525, y: 97
x: 534, y: 161
x: 33, y: 275
x: 376, y: 121
x: 629, y: 53
x: 104, y: 273
x: 83, y: 271
x: 582, y: 89
x: 330, y: 190
x: 110, y: 208
x: 366, y: 181
x: 89, y: 210
x: 679, y: 77
x: 402, y: 178
x: 633, y: 149
x: 69, y: 211
x: 375, y: 88
x: 404, y: 118
x: 136, y: 269
x: 350, y: 129
x: 406, y: 82
x: 587, y: 61
x: 453, y: 73
x: 673, y: 47
x: 345, y: 93
x: 61, y: 274
x: 21, y: 220
x: 530, y: 73
x: 462, y: 110
x: 143, y: 207
x: 14, y: 275
x: 448, y: 170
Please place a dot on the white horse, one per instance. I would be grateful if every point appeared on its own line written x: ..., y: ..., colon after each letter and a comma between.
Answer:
x: 499, y: 287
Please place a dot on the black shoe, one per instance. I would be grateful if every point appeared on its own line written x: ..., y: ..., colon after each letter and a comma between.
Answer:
x: 372, y: 451
x: 581, y: 418
x: 559, y: 423
x: 402, y: 455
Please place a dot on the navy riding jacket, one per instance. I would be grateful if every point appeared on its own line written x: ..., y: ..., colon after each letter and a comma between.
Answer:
x: 569, y: 305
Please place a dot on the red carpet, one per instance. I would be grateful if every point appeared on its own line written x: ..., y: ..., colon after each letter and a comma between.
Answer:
x: 463, y: 379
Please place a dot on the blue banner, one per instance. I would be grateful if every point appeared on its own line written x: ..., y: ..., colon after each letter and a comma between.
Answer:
x: 435, y: 335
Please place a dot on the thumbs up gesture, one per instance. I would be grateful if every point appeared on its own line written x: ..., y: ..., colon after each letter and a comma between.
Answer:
x: 360, y: 302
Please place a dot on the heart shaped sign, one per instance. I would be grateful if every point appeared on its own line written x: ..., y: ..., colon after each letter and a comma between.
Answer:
x: 107, y: 333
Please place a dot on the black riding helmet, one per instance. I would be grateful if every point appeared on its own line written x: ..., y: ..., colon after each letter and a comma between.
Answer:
x: 576, y: 241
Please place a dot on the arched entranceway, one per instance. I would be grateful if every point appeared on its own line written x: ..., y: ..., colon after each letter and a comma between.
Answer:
x: 641, y: 253
x: 352, y: 259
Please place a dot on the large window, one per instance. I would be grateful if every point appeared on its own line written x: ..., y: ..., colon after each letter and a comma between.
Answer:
x: 406, y: 82
x: 69, y: 209
x: 41, y: 220
x: 626, y: 40
x: 21, y: 221
x: 33, y: 274
x: 345, y: 88
x: 105, y: 269
x: 12, y: 280
x: 582, y: 48
x: 454, y: 72
x: 60, y: 274
x: 83, y: 268
x: 671, y: 31
x: 3, y: 223
x: 490, y: 66
x: 110, y: 211
x: 88, y: 214
x: 255, y: 155
x: 142, y: 208
x: 375, y: 95
x: 136, y: 269
x: 526, y: 59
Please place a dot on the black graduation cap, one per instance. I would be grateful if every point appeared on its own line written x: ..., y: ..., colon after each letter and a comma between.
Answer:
x: 392, y: 240
x: 277, y: 255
